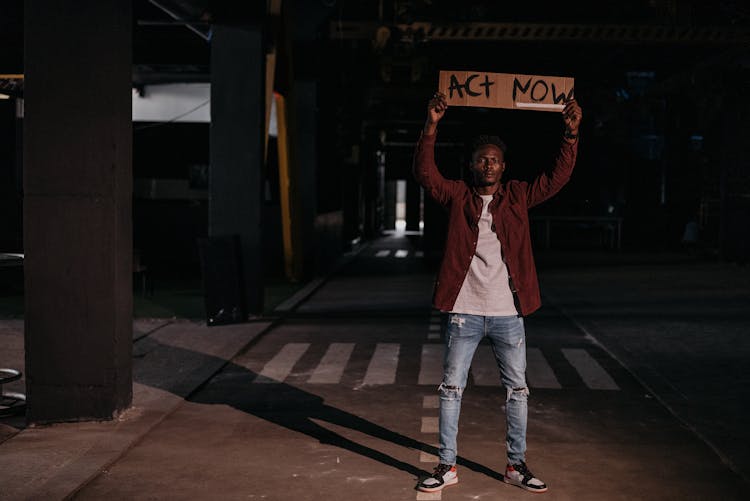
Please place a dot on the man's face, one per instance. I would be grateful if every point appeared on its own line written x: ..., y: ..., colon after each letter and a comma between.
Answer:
x: 487, y: 165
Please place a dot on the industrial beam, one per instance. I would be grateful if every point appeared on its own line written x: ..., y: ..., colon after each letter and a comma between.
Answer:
x: 530, y: 32
x: 177, y: 17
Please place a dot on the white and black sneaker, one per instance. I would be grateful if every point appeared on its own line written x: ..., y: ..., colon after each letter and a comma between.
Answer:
x: 443, y: 476
x: 519, y: 474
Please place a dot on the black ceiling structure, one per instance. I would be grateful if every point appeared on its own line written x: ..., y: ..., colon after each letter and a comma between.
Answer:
x: 641, y: 67
x: 172, y: 37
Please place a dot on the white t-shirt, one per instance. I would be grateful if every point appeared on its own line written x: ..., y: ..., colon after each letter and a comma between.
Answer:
x: 486, y: 290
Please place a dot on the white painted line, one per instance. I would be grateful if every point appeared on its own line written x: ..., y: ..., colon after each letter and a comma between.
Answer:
x: 430, y: 402
x: 590, y: 336
x: 431, y: 365
x: 433, y: 335
x: 332, y: 365
x: 402, y: 253
x: 541, y: 106
x: 538, y: 371
x: 426, y: 457
x: 429, y: 424
x: 383, y: 364
x: 278, y: 368
x: 429, y: 496
x: 589, y: 369
x: 419, y: 254
x: 435, y: 327
x: 298, y: 296
x: 382, y: 253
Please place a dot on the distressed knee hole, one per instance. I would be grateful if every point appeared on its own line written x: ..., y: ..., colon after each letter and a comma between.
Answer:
x: 450, y: 392
x: 517, y: 393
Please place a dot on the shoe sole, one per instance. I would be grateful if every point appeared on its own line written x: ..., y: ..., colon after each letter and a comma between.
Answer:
x: 524, y: 487
x: 440, y: 488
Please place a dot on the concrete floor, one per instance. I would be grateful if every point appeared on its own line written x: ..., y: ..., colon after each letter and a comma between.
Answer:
x: 337, y: 400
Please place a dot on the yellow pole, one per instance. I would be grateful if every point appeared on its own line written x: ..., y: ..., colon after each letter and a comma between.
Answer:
x: 284, y: 186
x: 274, y: 9
x: 270, y: 73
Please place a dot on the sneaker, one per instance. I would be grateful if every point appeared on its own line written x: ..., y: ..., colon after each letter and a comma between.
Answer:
x: 443, y: 476
x: 519, y: 474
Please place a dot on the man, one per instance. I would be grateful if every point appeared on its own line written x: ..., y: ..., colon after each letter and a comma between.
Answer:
x: 487, y: 280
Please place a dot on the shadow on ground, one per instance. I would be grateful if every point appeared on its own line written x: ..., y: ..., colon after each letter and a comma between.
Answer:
x: 290, y: 407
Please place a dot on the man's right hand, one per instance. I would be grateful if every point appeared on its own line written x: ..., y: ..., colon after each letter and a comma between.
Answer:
x: 435, y: 111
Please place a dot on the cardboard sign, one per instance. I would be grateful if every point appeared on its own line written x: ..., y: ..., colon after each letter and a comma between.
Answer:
x: 506, y: 90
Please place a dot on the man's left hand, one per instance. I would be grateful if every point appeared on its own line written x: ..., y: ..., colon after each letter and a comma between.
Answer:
x: 572, y: 115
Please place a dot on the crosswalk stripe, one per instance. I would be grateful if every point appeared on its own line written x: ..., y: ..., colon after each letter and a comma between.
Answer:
x: 332, y: 365
x: 431, y: 367
x: 402, y: 253
x: 382, y: 367
x: 435, y: 327
x: 419, y: 254
x: 382, y: 253
x: 430, y: 402
x: 484, y: 368
x: 433, y: 335
x: 278, y: 368
x: 430, y: 424
x: 538, y: 371
x: 429, y: 496
x: 589, y: 369
x: 383, y: 364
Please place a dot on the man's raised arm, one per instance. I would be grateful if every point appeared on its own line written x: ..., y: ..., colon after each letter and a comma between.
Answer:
x: 425, y: 169
x: 549, y: 183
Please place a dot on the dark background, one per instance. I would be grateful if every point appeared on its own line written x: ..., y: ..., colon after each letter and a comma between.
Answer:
x: 664, y: 100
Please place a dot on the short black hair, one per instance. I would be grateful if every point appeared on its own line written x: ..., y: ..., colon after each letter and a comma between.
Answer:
x: 484, y: 140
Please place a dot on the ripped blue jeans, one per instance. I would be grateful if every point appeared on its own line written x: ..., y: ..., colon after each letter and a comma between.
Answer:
x: 463, y: 333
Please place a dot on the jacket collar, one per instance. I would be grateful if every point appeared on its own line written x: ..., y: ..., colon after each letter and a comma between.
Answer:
x: 470, y: 209
x: 499, y: 193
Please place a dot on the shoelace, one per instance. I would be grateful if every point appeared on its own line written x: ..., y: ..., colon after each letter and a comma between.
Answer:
x: 441, y: 470
x: 523, y: 470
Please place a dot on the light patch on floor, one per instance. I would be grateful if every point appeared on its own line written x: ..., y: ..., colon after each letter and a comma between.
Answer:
x: 430, y: 402
x: 429, y: 424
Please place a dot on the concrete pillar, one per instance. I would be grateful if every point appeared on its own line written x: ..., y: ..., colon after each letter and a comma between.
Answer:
x: 374, y: 188
x: 77, y: 209
x: 237, y: 123
x: 370, y: 182
x: 306, y: 105
x: 734, y: 242
x: 389, y: 205
x: 413, y: 201
x: 435, y: 228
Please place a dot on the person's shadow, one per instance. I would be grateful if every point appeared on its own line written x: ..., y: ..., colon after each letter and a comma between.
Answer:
x: 278, y: 403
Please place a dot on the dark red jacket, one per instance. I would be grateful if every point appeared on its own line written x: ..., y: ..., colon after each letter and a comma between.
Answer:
x: 509, y: 208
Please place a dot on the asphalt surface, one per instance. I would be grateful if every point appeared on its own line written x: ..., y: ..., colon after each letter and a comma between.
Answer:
x: 337, y: 399
x: 681, y: 327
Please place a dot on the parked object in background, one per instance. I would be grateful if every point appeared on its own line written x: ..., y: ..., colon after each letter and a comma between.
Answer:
x: 11, y: 402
